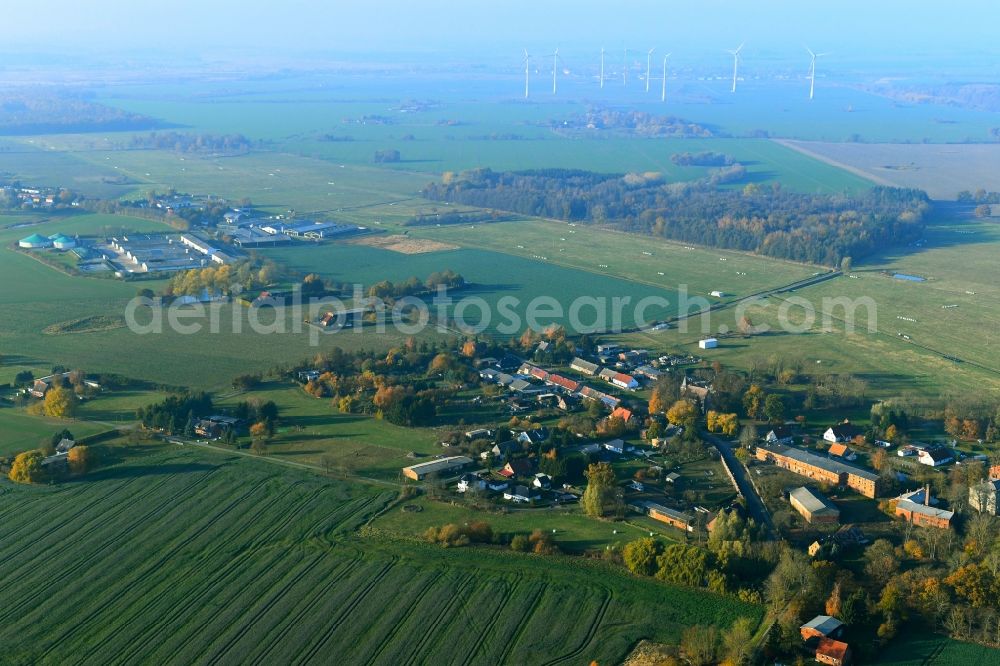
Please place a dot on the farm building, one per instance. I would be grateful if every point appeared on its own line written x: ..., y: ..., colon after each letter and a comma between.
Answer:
x: 841, y: 451
x: 833, y: 652
x: 984, y: 497
x: 34, y: 242
x: 520, y: 495
x: 821, y: 626
x: 681, y: 521
x: 817, y: 467
x: 813, y: 506
x: 619, y: 379
x: 708, y: 343
x: 421, y: 471
x: 917, y: 507
x: 717, y: 294
x: 842, y: 432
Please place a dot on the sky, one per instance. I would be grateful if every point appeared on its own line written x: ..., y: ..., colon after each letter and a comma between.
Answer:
x: 479, y: 30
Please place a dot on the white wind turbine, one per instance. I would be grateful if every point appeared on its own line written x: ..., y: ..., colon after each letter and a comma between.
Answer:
x: 812, y: 70
x: 736, y: 64
x: 527, y: 64
x: 663, y: 81
x: 649, y: 61
x: 602, y: 67
x: 555, y: 68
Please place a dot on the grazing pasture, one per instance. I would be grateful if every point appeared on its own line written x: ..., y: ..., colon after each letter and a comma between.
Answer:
x: 266, y: 564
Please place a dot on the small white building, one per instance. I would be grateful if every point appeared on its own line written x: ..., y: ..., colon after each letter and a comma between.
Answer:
x: 718, y: 294
x: 708, y: 343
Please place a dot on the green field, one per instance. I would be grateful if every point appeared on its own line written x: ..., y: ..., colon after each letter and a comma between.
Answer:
x: 181, y: 556
x: 930, y: 649
x: 20, y: 432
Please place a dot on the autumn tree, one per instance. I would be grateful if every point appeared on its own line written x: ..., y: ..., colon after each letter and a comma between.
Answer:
x: 753, y: 401
x: 27, y: 467
x: 469, y: 348
x: 80, y: 459
x: 683, y: 413
x: 60, y: 403
x: 700, y: 644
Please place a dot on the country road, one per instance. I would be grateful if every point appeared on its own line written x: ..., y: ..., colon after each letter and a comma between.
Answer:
x: 754, y: 504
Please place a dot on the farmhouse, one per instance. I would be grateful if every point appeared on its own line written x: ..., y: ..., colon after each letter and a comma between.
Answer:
x: 648, y: 371
x: 842, y: 432
x: 916, y: 507
x: 666, y: 515
x: 421, y: 471
x: 619, y: 379
x: 585, y: 367
x: 519, y: 467
x: 780, y: 435
x: 593, y: 394
x: 822, y: 626
x: 813, y: 506
x: 823, y: 469
x: 832, y: 652
x: 984, y: 497
x: 934, y: 457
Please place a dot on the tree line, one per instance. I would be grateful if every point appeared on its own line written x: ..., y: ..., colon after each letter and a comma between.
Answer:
x: 814, y: 228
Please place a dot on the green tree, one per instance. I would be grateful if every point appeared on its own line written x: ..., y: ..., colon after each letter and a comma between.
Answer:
x: 774, y: 408
x: 640, y: 555
x: 600, y: 492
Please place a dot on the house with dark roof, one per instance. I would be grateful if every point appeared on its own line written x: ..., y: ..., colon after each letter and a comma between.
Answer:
x: 780, y: 435
x: 535, y: 436
x: 822, y: 626
x: 521, y: 467
x: 842, y: 432
x: 520, y: 494
x: 935, y: 457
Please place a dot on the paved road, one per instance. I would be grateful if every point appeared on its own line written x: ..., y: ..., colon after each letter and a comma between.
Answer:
x: 754, y: 504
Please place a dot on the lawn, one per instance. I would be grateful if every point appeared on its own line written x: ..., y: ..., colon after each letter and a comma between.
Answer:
x: 181, y: 556
x: 929, y: 649
x: 20, y: 431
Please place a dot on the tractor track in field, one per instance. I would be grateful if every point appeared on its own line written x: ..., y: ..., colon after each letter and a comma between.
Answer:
x: 9, y: 537
x: 276, y: 597
x: 488, y: 629
x: 72, y: 570
x: 431, y: 628
x: 358, y: 598
x: 524, y: 624
x: 221, y: 577
x: 595, y: 625
x: 387, y: 639
x: 318, y: 597
x: 166, y: 554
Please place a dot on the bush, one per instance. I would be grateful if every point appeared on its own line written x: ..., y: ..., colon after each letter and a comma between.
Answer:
x: 519, y: 543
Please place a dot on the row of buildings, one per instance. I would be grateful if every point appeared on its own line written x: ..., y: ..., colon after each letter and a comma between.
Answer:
x: 819, y: 468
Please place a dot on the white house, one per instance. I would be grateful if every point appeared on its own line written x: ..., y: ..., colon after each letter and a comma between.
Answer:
x: 519, y: 495
x: 935, y: 457
x: 470, y: 482
x: 542, y: 481
x: 842, y: 432
x: 708, y: 343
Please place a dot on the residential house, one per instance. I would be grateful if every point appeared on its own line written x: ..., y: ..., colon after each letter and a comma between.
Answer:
x: 648, y: 372
x: 65, y: 445
x: 615, y: 446
x: 625, y: 415
x: 841, y: 451
x: 935, y: 457
x: 822, y: 626
x: 842, y: 432
x: 985, y: 497
x: 565, y: 383
x: 470, y: 482
x: 535, y: 436
x: 619, y: 379
x: 833, y: 652
x: 672, y: 477
x: 308, y: 375
x: 503, y: 450
x: 520, y: 495
x: 779, y: 435
x: 520, y: 467
x: 38, y: 389
x: 542, y: 481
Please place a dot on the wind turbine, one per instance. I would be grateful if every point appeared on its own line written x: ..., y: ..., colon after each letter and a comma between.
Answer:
x: 812, y: 70
x: 736, y: 63
x: 663, y: 89
x: 602, y: 67
x: 555, y: 68
x: 649, y: 60
x: 527, y: 63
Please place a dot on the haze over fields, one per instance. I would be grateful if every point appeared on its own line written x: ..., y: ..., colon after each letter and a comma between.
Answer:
x: 516, y: 333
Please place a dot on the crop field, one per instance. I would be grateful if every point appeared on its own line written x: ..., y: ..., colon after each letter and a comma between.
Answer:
x: 942, y: 170
x: 267, y: 567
